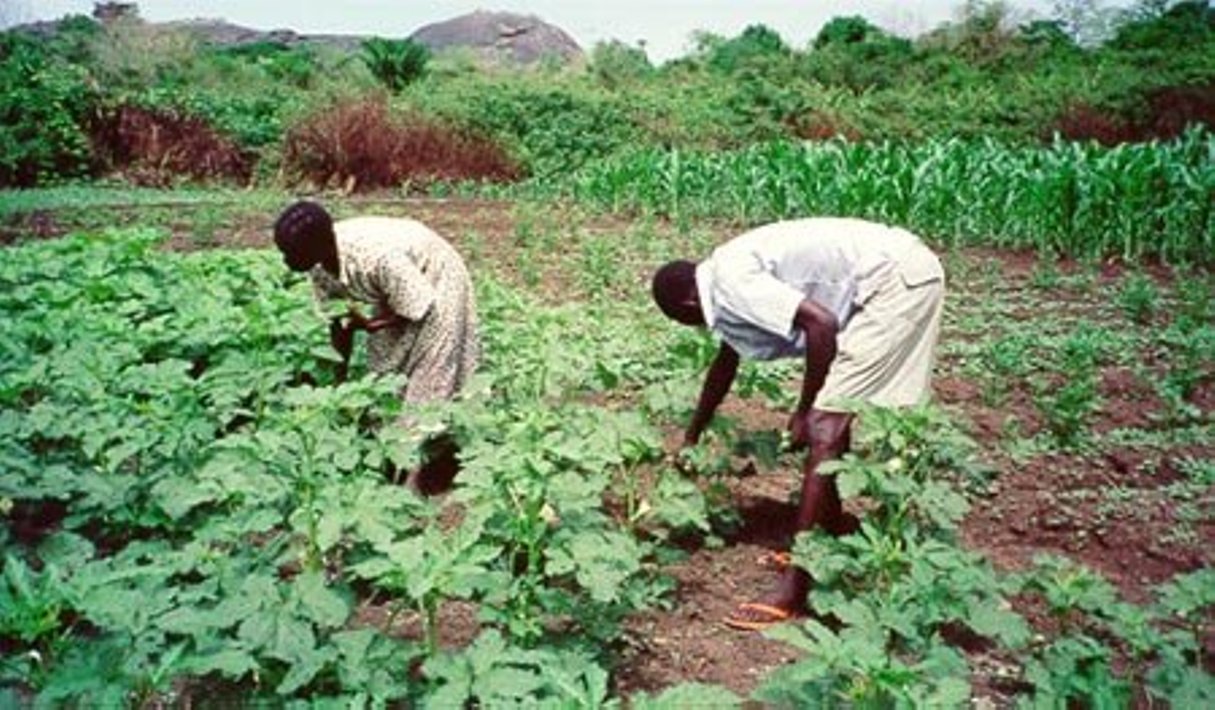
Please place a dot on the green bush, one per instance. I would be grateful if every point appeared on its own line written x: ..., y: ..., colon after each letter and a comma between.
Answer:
x: 553, y: 126
x: 1184, y: 24
x: 980, y: 77
x: 615, y: 63
x: 252, y: 121
x: 43, y: 102
x: 858, y: 59
x: 758, y: 47
x: 296, y: 66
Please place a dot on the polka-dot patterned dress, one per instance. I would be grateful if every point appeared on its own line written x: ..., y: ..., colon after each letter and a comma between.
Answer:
x: 401, y: 266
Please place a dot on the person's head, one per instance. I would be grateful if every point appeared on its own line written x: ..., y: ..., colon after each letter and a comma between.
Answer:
x: 304, y: 234
x: 674, y: 290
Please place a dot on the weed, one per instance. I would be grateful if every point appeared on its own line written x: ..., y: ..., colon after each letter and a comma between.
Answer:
x: 1046, y: 274
x: 1139, y: 298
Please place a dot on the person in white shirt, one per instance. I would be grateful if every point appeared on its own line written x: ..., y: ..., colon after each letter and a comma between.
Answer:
x: 860, y: 301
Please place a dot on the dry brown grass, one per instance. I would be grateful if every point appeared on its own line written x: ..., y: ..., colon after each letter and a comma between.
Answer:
x: 158, y: 147
x: 1165, y: 113
x: 362, y: 145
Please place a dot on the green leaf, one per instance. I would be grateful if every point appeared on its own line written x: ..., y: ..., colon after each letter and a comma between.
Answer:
x: 1188, y: 593
x: 810, y: 636
x: 304, y: 670
x: 851, y: 482
x: 329, y: 528
x: 323, y: 605
x: 65, y: 550
x: 507, y: 683
x: 231, y: 663
x: 986, y: 618
x: 188, y: 620
x: 237, y: 608
x: 293, y: 639
x: 177, y: 496
x: 679, y: 503
x: 257, y: 629
x: 949, y: 693
x: 686, y: 695
x: 603, y: 562
x: 1196, y: 689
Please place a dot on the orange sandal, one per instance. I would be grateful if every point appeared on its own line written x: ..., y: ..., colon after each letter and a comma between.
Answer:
x: 763, y: 616
x: 778, y: 561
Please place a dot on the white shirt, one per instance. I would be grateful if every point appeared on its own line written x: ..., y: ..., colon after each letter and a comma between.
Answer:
x: 751, y: 286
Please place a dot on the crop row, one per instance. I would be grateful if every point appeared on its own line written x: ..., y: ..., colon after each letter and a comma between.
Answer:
x: 1083, y: 200
x: 194, y: 507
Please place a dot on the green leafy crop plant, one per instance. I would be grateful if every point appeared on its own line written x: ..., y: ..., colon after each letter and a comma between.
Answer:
x: 218, y: 515
x: 227, y: 505
x: 1162, y: 639
x: 890, y: 590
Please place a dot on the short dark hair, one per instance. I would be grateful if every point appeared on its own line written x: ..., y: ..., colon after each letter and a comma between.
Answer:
x: 304, y: 234
x: 672, y: 285
x: 300, y: 225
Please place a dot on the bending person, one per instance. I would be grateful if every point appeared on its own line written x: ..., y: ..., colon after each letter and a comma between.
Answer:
x: 423, y: 322
x: 860, y: 302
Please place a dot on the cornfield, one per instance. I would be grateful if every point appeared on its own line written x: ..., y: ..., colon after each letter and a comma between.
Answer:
x: 1083, y: 200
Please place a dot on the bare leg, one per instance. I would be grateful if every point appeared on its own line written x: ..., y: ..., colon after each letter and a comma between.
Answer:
x: 820, y: 506
x: 440, y: 464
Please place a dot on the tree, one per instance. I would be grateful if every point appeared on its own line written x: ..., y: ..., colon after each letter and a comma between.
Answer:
x: 1155, y: 25
x: 757, y: 45
x: 1045, y: 33
x: 395, y: 63
x: 43, y: 105
x: 615, y: 63
x: 845, y: 30
x: 852, y: 52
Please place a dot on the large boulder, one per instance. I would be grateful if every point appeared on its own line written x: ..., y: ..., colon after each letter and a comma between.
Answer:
x: 501, y: 37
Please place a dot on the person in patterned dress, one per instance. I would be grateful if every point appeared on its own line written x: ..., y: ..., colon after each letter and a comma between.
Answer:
x: 423, y: 321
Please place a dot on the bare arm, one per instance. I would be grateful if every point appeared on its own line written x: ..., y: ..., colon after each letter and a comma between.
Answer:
x: 382, y: 318
x: 820, y: 328
x: 717, y: 384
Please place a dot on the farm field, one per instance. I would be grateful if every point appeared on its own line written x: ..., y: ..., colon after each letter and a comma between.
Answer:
x: 198, y: 511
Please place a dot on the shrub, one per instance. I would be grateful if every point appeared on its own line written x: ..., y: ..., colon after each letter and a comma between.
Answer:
x: 130, y: 54
x: 1082, y: 122
x: 876, y: 60
x: 552, y: 125
x: 154, y: 148
x: 362, y: 145
x: 615, y: 63
x: 251, y: 119
x: 42, y: 106
x: 1164, y: 113
x: 845, y: 30
x: 296, y: 66
x: 757, y: 47
x: 1186, y: 23
x: 1170, y: 110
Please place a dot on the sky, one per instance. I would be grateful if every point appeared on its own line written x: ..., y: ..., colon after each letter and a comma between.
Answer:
x: 665, y: 26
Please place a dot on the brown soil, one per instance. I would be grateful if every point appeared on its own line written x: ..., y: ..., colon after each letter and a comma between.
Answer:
x: 1109, y: 510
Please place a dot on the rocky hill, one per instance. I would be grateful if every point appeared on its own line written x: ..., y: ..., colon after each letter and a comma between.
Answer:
x: 501, y: 37
x: 497, y: 37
